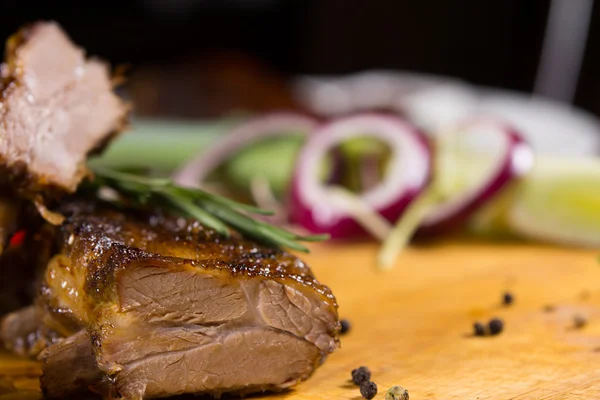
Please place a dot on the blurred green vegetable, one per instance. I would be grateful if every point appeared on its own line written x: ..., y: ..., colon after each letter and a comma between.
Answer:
x: 272, y: 159
x: 160, y: 145
x: 558, y: 202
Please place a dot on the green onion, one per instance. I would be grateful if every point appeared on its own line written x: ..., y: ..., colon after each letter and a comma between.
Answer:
x: 406, y: 226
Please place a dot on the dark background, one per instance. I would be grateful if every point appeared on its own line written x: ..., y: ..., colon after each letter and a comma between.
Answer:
x: 233, y: 52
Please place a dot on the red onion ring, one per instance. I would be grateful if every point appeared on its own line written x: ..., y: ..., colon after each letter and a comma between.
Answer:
x: 318, y: 210
x: 197, y: 170
x: 516, y: 159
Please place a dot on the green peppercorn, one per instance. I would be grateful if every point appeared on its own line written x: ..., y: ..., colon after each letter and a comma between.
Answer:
x: 397, y: 393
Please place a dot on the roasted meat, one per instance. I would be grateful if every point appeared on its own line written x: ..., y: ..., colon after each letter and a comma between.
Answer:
x: 132, y: 304
x: 55, y: 108
x: 154, y: 306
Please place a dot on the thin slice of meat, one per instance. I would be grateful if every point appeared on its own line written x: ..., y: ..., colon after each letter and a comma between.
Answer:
x: 24, y: 333
x: 169, y: 307
x: 55, y: 108
x: 71, y: 363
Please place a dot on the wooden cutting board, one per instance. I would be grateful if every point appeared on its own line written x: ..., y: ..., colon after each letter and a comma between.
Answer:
x: 412, y: 325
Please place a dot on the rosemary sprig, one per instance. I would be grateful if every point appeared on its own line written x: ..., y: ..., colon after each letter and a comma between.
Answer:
x: 215, y: 212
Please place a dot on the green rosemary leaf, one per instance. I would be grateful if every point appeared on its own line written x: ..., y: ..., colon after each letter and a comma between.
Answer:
x: 293, y: 236
x: 123, y: 177
x: 216, y: 212
x: 262, y: 231
x: 228, y: 202
x: 257, y: 230
x: 198, y: 213
x: 290, y: 243
x: 313, y: 238
x: 230, y: 216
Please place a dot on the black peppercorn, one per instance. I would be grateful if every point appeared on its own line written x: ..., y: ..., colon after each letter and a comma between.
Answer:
x: 478, y: 329
x: 508, y: 299
x: 495, y: 326
x: 360, y: 375
x: 368, y: 389
x: 549, y: 308
x: 579, y: 321
x: 345, y: 326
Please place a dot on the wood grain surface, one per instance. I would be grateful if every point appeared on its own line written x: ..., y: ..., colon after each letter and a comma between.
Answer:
x: 412, y: 325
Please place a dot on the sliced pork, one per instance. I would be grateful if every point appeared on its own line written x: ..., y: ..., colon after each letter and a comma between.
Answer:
x: 56, y: 106
x: 153, y: 306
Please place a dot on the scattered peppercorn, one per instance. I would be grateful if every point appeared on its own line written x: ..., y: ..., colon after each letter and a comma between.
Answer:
x: 549, y: 308
x: 368, y: 389
x: 345, y: 326
x: 495, y: 326
x: 508, y: 299
x: 579, y: 321
x: 360, y: 375
x: 397, y: 393
x: 478, y: 329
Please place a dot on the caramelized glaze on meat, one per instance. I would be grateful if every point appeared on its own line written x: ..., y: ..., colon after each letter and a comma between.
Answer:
x: 106, y: 240
x: 169, y: 307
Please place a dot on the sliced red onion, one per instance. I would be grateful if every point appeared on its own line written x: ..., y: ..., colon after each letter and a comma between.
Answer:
x: 269, y: 125
x: 508, y: 157
x: 317, y: 207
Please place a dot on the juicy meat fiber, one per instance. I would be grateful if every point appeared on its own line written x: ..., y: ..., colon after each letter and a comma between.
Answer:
x: 55, y: 108
x: 155, y: 306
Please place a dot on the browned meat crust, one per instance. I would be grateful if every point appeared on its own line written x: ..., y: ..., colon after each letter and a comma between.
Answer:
x: 138, y: 237
x: 169, y: 307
